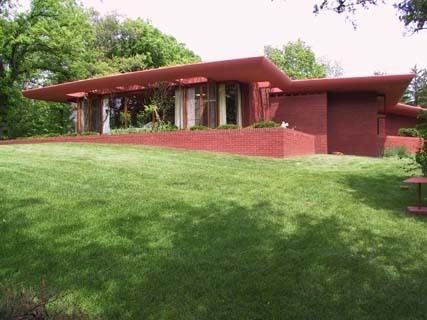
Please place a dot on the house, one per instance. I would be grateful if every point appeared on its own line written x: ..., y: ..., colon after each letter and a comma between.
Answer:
x: 357, y: 115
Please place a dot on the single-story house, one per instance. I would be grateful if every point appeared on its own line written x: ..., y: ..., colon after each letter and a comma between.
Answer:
x: 348, y: 115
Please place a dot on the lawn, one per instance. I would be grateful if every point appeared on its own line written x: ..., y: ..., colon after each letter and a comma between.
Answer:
x: 149, y: 233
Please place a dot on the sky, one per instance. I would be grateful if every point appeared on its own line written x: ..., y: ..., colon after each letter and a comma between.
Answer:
x: 227, y: 29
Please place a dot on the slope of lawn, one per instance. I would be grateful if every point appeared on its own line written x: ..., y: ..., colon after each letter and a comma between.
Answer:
x: 147, y: 233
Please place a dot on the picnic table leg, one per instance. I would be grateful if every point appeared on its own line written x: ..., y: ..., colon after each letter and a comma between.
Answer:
x: 419, y: 195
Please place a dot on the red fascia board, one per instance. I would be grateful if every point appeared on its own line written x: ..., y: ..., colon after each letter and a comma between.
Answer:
x: 407, y: 110
x: 256, y: 69
x: 391, y: 87
x: 243, y: 70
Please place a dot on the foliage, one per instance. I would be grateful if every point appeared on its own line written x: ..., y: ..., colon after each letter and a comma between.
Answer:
x: 30, y: 118
x: 421, y: 159
x: 297, y: 60
x: 150, y: 127
x: 129, y: 130
x: 416, y: 93
x: 408, y: 132
x: 228, y: 126
x: 199, y: 127
x: 421, y: 126
x: 413, y: 13
x: 333, y: 68
x: 164, y: 126
x: 265, y: 124
x: 125, y: 44
x: 162, y: 100
x: 49, y: 43
x: 59, y: 40
x: 400, y: 152
x: 152, y: 233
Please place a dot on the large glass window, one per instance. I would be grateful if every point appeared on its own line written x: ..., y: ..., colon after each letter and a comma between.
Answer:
x: 206, y: 111
x: 231, y: 102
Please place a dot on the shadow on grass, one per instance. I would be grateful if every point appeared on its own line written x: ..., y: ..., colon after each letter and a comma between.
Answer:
x: 383, y: 191
x: 223, y: 262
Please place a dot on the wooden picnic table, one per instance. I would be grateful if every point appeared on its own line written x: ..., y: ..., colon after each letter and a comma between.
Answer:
x: 418, y: 208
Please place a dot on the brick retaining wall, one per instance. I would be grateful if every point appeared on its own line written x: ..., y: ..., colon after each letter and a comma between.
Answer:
x: 411, y: 144
x: 269, y: 142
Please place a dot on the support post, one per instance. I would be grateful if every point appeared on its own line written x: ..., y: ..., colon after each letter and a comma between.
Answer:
x: 90, y: 120
x: 126, y: 112
x: 185, y: 106
x: 79, y: 116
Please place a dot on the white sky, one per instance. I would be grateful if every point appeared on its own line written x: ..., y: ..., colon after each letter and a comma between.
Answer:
x: 225, y: 29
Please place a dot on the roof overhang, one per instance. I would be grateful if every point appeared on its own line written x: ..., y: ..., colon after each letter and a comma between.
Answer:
x: 407, y: 110
x: 256, y: 69
x: 391, y: 87
x: 244, y: 70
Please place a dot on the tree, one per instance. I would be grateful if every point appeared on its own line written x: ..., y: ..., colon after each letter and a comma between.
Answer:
x: 416, y: 93
x: 413, y: 13
x: 297, y: 60
x: 59, y: 40
x: 130, y: 45
x: 333, y: 68
x: 49, y: 43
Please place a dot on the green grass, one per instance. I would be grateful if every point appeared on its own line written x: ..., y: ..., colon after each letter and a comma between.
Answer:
x: 148, y: 233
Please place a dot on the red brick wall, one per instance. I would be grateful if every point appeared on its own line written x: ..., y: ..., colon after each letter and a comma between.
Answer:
x: 352, y: 124
x: 411, y: 144
x: 270, y: 142
x: 394, y: 122
x: 252, y: 108
x: 306, y: 113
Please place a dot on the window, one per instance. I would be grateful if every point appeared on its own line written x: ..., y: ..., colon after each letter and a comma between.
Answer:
x: 232, y: 102
x: 205, y: 105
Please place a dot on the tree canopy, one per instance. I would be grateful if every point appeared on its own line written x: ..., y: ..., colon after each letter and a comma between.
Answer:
x: 60, y: 40
x: 297, y: 60
x: 416, y: 93
x: 413, y: 13
x: 129, y: 45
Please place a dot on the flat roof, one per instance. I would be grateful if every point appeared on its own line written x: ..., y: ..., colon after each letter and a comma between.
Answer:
x: 254, y: 69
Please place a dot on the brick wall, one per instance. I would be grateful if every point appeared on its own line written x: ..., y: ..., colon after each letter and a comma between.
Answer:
x: 411, y: 144
x: 306, y: 113
x: 270, y: 142
x: 352, y: 124
x: 394, y: 122
x: 252, y: 108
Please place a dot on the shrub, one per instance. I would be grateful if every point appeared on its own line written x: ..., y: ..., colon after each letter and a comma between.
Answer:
x: 400, y: 152
x: 199, y: 127
x: 265, y: 124
x: 149, y: 127
x: 129, y: 130
x: 89, y: 133
x: 421, y: 159
x: 164, y: 126
x: 228, y: 126
x: 409, y: 132
x: 31, y: 118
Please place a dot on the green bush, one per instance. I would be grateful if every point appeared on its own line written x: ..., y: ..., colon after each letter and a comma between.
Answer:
x: 89, y: 133
x: 228, y: 126
x: 37, y: 118
x: 129, y: 130
x: 265, y: 124
x: 408, y: 132
x: 164, y: 126
x: 400, y: 152
x: 199, y: 127
x: 150, y: 127
x: 421, y: 159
